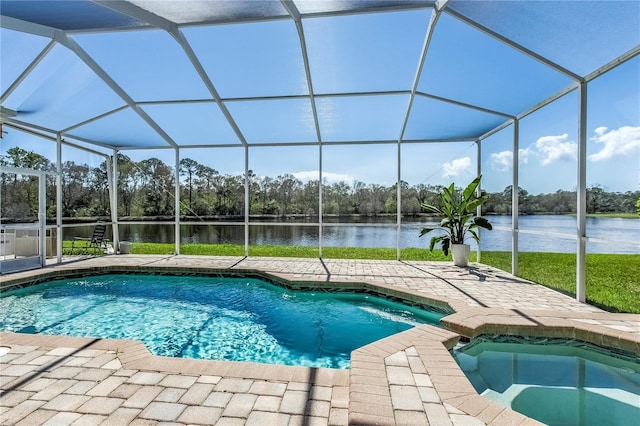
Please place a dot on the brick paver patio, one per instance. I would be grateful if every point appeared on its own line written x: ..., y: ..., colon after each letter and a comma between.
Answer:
x: 406, y: 379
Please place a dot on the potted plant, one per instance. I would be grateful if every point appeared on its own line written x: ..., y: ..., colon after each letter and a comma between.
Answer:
x: 458, y: 211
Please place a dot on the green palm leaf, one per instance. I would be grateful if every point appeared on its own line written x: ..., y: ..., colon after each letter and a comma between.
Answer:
x: 458, y: 211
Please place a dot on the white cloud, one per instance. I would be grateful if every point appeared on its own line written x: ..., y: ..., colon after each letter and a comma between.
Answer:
x: 524, y: 154
x: 332, y: 178
x: 503, y: 161
x: 456, y: 167
x: 556, y: 148
x: 621, y: 142
x: 306, y: 176
x: 600, y: 130
x: 327, y: 177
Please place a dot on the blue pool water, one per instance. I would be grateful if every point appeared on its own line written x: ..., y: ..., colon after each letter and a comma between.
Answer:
x: 556, y: 382
x: 238, y: 319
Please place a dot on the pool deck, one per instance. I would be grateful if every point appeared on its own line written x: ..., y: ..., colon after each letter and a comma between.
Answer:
x: 406, y: 379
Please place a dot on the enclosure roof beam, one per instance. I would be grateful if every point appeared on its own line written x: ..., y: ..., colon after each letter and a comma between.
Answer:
x: 97, y: 143
x: 27, y: 71
x: 91, y: 120
x: 6, y: 112
x: 21, y: 125
x: 159, y: 22
x: 295, y: 15
x: 496, y: 130
x: 627, y: 56
x: 62, y: 38
x: 531, y: 110
x: 207, y: 81
x: 514, y: 45
x: 466, y: 105
x: 275, y: 97
x: 104, y: 76
x: 547, y: 101
x: 28, y: 27
x: 52, y: 138
x: 385, y: 8
x: 134, y: 11
x: 251, y: 19
x: 329, y: 96
x: 25, y: 171
x: 435, y: 14
x: 281, y: 144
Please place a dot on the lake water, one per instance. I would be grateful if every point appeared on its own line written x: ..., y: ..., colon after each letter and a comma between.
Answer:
x: 621, y: 235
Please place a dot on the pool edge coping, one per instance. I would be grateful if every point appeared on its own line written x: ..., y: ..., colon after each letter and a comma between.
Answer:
x: 467, y: 321
x: 281, y: 280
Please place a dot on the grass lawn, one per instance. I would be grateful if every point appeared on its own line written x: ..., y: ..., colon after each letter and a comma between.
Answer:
x: 613, y: 280
x: 290, y: 251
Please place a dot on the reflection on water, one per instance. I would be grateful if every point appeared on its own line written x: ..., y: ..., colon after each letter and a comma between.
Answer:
x: 623, y: 234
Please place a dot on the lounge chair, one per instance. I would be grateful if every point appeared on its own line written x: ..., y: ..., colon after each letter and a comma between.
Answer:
x: 96, y: 242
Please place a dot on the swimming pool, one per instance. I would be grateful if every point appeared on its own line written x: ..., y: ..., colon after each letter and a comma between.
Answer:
x: 555, y: 381
x: 216, y: 318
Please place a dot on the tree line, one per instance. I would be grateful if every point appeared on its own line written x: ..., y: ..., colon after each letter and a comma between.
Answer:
x: 146, y: 189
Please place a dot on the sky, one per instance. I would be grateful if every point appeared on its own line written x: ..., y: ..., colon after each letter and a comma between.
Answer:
x: 347, y: 54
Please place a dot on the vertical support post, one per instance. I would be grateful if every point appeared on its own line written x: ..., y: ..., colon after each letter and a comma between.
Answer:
x: 479, y: 191
x: 42, y: 218
x: 515, y: 203
x: 112, y: 179
x: 581, y: 202
x: 399, y: 202
x: 1, y: 229
x: 320, y: 200
x: 2, y: 233
x: 246, y: 200
x: 59, y: 235
x: 177, y: 206
x: 109, y: 166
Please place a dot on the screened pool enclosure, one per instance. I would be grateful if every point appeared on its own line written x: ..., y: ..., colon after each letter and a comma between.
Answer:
x: 312, y: 117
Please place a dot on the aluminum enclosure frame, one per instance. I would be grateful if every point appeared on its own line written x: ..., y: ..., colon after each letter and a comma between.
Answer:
x: 438, y: 8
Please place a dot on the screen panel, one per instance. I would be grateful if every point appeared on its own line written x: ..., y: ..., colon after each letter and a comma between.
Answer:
x: 199, y: 123
x: 361, y: 118
x: 585, y: 35
x: 467, y: 65
x: 251, y: 59
x: 435, y: 119
x: 148, y: 64
x: 22, y: 48
x: 276, y: 120
x: 108, y: 130
x: 365, y: 53
x: 60, y: 92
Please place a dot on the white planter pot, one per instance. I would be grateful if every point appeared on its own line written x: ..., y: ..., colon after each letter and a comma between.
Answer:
x: 125, y: 247
x: 460, y: 254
